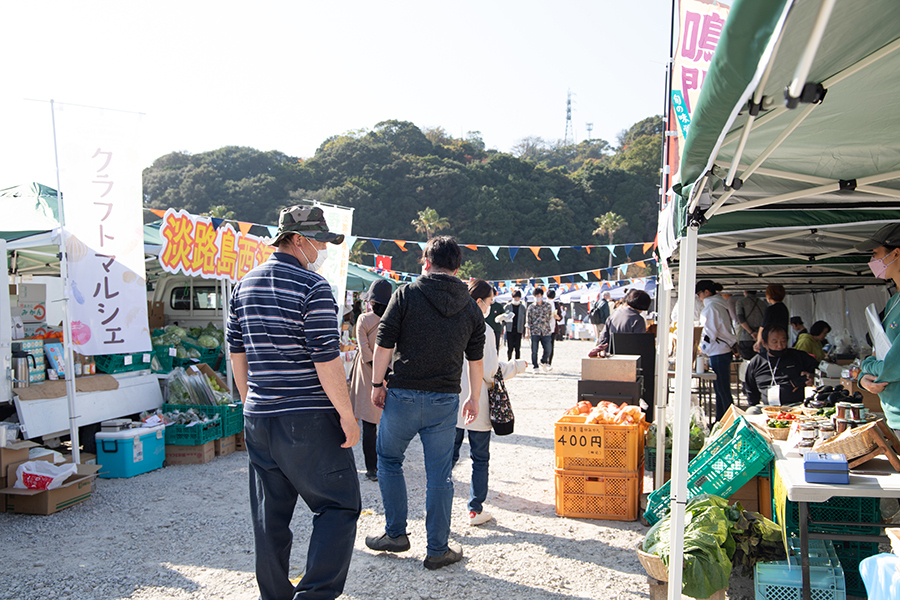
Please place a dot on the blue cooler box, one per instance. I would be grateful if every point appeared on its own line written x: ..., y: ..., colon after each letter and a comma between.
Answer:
x: 131, y: 452
x: 826, y: 468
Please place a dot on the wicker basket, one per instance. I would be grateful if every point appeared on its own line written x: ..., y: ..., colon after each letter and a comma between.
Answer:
x: 654, y: 565
x: 779, y: 433
x: 852, y: 443
x: 771, y: 411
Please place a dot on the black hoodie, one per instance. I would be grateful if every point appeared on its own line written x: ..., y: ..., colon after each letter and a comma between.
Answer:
x: 431, y: 322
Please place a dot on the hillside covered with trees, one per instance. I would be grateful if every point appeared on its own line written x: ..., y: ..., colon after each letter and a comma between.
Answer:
x: 543, y: 193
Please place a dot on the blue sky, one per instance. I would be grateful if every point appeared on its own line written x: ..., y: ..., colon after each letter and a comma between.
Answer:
x: 286, y: 75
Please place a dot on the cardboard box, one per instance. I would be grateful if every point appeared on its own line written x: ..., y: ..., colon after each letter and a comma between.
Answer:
x: 224, y: 446
x: 76, y: 489
x: 239, y: 444
x: 155, y: 316
x: 190, y: 455
x: 872, y: 401
x: 15, y: 453
x: 86, y: 458
x: 621, y: 367
x: 209, y: 372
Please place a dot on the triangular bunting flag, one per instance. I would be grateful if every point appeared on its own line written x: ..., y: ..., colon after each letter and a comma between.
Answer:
x: 612, y: 249
x: 579, y: 248
x: 535, y: 249
x: 471, y: 247
x: 273, y: 231
x: 508, y: 284
x: 640, y: 264
x: 588, y: 249
x: 422, y: 245
x: 555, y: 251
x: 623, y: 269
x: 244, y: 227
x: 628, y: 248
x: 216, y: 222
x: 158, y: 213
x: 557, y: 279
x: 350, y: 239
x: 376, y: 243
x: 598, y: 274
x: 545, y: 280
x: 513, y: 250
x: 494, y: 250
x: 571, y: 278
x: 647, y: 247
x: 610, y: 272
x: 584, y: 275
x: 401, y: 244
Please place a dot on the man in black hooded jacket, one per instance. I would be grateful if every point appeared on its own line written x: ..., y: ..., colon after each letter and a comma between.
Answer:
x: 427, y: 327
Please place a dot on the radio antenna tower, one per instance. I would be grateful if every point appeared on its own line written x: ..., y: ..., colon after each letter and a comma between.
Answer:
x: 569, y: 139
x: 590, y: 128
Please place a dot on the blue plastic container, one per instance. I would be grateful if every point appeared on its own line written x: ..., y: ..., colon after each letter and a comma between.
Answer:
x: 131, y: 452
x: 826, y: 468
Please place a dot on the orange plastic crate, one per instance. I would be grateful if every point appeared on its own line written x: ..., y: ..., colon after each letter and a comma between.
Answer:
x: 610, y: 495
x: 583, y: 446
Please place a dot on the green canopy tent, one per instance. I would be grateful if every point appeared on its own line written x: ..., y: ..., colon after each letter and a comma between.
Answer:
x: 359, y: 279
x: 792, y: 157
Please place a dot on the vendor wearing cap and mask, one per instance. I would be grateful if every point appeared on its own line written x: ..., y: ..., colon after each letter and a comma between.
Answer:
x: 778, y: 376
x: 882, y: 375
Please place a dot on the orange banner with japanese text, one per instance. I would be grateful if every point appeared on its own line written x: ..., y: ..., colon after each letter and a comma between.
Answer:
x: 194, y: 245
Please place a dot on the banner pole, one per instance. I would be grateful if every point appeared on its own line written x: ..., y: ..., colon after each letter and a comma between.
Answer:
x: 67, y: 322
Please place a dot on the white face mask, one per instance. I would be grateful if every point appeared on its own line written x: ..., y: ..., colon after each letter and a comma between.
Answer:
x: 485, y: 308
x: 516, y: 302
x: 321, y: 256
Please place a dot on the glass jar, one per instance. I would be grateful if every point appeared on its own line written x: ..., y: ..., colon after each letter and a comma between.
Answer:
x: 842, y: 409
x: 856, y: 411
x: 826, y: 431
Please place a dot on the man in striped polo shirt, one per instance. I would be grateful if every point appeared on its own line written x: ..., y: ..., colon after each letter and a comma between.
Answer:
x: 298, y: 421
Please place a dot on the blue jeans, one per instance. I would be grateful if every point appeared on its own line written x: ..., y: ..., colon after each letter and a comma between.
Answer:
x: 721, y: 366
x: 480, y: 451
x: 431, y: 415
x: 544, y: 341
x: 300, y: 455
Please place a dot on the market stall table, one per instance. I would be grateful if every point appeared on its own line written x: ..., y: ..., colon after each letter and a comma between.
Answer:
x: 705, y: 382
x: 875, y: 479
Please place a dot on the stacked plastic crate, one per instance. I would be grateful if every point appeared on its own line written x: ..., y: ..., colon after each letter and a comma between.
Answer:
x: 837, y: 509
x: 599, y: 469
x: 782, y: 580
x: 725, y: 464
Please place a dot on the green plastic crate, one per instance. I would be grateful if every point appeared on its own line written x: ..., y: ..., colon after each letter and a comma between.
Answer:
x: 207, y: 355
x: 724, y: 466
x: 782, y: 580
x: 838, y: 508
x: 650, y: 458
x: 231, y: 415
x: 166, y: 361
x: 194, y: 435
x: 115, y: 363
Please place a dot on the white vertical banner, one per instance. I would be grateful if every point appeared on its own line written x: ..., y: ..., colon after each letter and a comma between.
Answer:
x: 339, y: 220
x: 100, y: 179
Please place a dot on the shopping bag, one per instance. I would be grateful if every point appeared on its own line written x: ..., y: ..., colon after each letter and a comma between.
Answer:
x: 502, y: 419
x: 42, y: 475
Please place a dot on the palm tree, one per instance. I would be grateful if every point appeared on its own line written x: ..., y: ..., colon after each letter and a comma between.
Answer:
x: 430, y: 222
x: 220, y: 212
x: 609, y: 224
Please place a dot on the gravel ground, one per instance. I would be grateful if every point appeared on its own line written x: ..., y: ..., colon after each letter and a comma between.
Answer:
x: 184, y: 531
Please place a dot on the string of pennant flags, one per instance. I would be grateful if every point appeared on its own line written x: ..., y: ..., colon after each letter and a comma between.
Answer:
x: 405, y: 245
x: 647, y: 247
x: 563, y: 279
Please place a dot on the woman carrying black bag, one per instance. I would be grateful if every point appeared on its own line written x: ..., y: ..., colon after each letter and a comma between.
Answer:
x: 480, y: 429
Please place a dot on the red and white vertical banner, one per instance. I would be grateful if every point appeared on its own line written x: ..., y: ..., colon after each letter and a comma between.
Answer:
x: 100, y: 179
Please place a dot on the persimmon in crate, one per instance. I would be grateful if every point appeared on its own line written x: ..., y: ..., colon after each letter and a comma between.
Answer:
x: 603, y: 437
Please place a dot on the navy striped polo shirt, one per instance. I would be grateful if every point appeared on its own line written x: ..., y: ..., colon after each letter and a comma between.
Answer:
x: 284, y: 318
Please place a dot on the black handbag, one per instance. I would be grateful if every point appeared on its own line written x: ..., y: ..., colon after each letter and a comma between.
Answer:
x: 502, y: 419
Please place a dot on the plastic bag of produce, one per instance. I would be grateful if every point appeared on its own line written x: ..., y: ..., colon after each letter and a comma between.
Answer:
x: 42, y: 475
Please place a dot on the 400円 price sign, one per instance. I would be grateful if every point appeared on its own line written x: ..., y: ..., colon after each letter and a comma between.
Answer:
x: 581, y: 445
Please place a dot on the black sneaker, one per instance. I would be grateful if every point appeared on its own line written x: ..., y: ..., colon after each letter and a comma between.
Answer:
x: 371, y: 476
x: 385, y: 543
x: 449, y: 557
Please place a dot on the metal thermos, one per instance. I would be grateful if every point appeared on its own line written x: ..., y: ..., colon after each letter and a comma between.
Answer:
x: 20, y: 371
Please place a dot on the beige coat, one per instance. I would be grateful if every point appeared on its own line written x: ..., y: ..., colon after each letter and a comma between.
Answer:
x: 361, y: 383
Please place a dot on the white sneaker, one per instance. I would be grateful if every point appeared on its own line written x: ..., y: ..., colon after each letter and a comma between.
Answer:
x: 479, y: 518
x: 543, y: 367
x: 548, y: 368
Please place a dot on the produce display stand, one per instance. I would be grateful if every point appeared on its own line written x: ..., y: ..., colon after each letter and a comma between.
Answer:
x: 876, y: 479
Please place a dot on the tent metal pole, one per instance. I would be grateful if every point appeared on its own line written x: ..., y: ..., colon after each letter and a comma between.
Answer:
x: 67, y: 320
x: 783, y: 174
x: 226, y: 310
x: 872, y: 189
x: 862, y: 64
x: 757, y: 98
x: 769, y: 116
x: 687, y: 274
x: 663, y: 308
x: 812, y: 46
x: 745, y: 175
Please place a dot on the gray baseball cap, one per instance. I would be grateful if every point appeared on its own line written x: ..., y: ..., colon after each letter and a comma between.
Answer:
x: 889, y: 235
x: 308, y: 221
